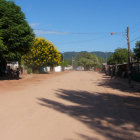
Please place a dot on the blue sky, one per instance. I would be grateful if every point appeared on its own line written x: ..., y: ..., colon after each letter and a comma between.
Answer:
x: 84, y: 25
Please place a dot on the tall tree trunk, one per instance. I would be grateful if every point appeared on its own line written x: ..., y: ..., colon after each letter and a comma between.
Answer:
x: 51, y: 68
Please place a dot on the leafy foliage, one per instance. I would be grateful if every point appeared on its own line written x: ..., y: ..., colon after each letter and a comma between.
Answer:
x: 137, y: 51
x: 87, y: 60
x: 65, y: 63
x: 111, y: 60
x: 42, y: 53
x: 120, y: 56
x: 16, y: 34
x: 101, y: 61
x: 2, y: 60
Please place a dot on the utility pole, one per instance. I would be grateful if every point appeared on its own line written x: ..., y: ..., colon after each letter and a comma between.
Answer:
x: 63, y: 56
x: 106, y: 57
x: 72, y: 62
x: 129, y: 61
x: 106, y: 68
x: 128, y: 43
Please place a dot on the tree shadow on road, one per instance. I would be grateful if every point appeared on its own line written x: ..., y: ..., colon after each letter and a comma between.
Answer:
x: 120, y: 84
x: 115, y: 117
x: 6, y: 78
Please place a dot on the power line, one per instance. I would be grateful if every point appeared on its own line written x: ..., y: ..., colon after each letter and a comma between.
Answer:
x: 81, y: 41
x: 44, y: 31
x: 135, y: 39
x: 76, y: 33
x: 132, y: 41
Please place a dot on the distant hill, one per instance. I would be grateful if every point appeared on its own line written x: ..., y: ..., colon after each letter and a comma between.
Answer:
x: 102, y: 54
x: 69, y: 55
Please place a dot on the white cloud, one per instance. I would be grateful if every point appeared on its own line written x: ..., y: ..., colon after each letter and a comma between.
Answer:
x: 39, y: 32
x: 33, y: 25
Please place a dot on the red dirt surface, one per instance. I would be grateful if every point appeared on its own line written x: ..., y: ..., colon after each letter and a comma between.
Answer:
x: 74, y: 105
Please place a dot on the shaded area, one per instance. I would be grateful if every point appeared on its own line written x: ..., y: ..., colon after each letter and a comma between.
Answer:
x: 86, y: 137
x: 7, y: 78
x: 15, y: 77
x: 119, y: 84
x: 116, y: 117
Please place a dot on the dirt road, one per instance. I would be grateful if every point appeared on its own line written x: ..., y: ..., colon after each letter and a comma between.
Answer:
x: 71, y: 106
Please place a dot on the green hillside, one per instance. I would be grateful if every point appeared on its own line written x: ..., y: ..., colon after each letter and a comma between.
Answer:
x: 69, y: 55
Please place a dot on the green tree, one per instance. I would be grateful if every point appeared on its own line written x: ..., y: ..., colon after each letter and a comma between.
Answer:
x: 120, y: 56
x: 16, y: 34
x: 137, y: 51
x: 87, y: 60
x: 111, y: 60
x: 2, y: 60
x: 64, y: 63
x: 42, y: 53
x: 101, y: 61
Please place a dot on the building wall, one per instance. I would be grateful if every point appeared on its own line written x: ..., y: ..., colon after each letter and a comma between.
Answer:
x: 13, y: 65
x: 58, y: 69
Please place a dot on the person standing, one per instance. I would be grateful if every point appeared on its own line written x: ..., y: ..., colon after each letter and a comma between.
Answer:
x: 17, y: 73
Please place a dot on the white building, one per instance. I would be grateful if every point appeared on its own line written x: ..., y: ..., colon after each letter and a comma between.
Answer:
x: 68, y: 68
x: 13, y: 65
x: 56, y: 69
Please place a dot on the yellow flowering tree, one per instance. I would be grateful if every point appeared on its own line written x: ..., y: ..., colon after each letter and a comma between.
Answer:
x: 42, y: 53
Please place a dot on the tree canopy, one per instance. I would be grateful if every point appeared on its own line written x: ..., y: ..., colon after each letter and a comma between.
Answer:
x: 87, y: 60
x: 16, y: 35
x: 42, y: 53
x: 137, y: 51
x: 64, y: 63
x: 120, y: 56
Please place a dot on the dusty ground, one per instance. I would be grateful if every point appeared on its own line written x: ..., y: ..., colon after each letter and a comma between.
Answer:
x: 69, y: 106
